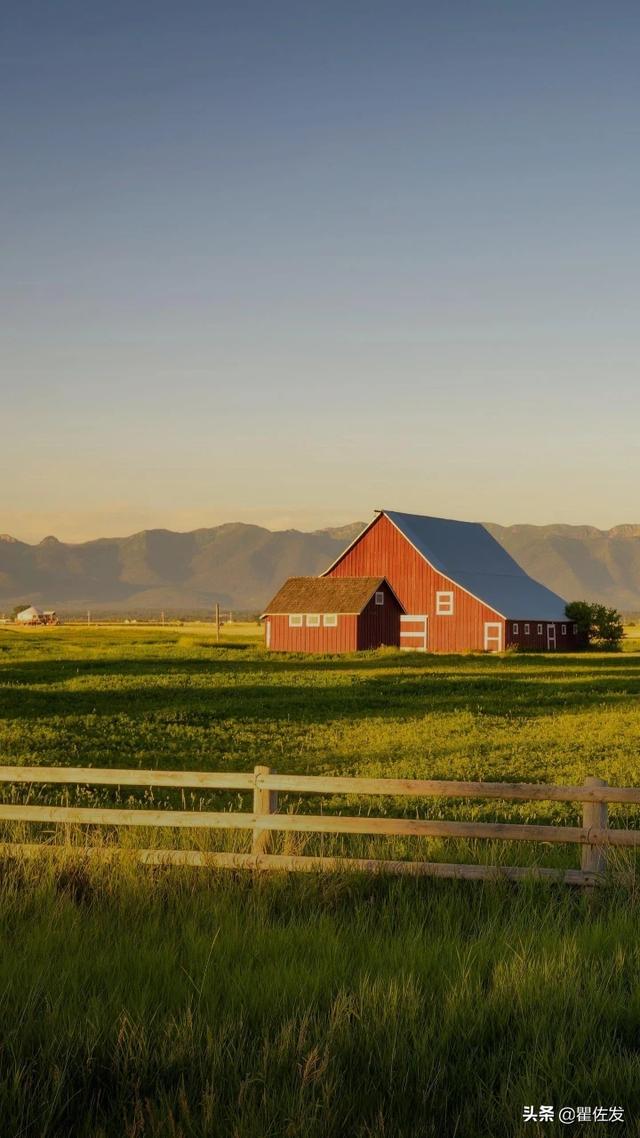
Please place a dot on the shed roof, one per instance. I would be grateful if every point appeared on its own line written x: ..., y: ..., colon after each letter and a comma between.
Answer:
x: 468, y: 554
x: 324, y: 594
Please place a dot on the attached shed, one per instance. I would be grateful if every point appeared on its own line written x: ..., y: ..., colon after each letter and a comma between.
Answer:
x: 460, y: 590
x: 333, y: 614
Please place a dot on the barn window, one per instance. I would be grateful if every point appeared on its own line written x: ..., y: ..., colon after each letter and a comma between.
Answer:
x: 575, y: 630
x: 539, y: 630
x: 516, y: 629
x: 313, y: 620
x: 295, y: 620
x: 330, y: 620
x: 444, y: 604
x: 527, y: 629
x: 380, y: 598
x: 564, y: 630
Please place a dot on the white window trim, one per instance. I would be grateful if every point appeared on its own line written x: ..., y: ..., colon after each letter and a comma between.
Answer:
x: 330, y: 620
x: 313, y: 620
x: 527, y: 629
x: 296, y: 620
x: 564, y: 630
x: 380, y: 597
x: 444, y: 597
x: 540, y: 630
x: 516, y: 629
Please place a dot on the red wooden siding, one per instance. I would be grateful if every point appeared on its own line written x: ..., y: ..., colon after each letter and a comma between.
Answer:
x: 380, y: 624
x: 384, y: 551
x: 535, y: 641
x: 343, y: 638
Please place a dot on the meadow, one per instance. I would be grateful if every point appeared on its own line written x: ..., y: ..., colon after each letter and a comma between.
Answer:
x: 138, y: 1001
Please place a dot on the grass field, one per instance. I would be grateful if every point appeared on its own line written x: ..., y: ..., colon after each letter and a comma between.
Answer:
x: 142, y: 1002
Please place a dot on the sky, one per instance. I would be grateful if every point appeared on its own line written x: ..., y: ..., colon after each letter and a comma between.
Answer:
x: 288, y: 263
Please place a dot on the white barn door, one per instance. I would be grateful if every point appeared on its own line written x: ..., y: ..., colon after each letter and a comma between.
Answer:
x: 413, y: 633
x: 492, y: 636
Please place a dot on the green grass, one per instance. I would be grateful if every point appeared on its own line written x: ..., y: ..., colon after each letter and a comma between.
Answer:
x: 140, y: 1002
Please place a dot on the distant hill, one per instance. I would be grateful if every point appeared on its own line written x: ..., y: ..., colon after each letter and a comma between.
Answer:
x: 241, y: 566
x: 579, y: 562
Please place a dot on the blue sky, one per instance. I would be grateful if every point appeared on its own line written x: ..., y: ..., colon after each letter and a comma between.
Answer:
x: 288, y: 262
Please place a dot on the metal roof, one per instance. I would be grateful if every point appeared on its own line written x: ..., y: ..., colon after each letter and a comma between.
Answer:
x: 324, y: 594
x: 468, y: 554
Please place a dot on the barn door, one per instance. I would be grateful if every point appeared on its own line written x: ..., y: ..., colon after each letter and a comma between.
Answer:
x: 413, y: 633
x: 492, y: 636
x: 551, y: 638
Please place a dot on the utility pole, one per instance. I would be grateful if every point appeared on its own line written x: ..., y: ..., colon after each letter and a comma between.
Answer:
x: 162, y: 618
x: 88, y: 616
x: 217, y: 620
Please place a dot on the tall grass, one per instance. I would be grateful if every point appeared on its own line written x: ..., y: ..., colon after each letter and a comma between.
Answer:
x: 157, y: 1003
x: 150, y: 1002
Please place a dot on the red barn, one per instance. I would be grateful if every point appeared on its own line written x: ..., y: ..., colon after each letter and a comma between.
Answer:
x: 460, y: 590
x: 333, y: 614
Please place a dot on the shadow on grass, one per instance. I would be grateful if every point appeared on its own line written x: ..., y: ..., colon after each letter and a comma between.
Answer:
x: 223, y: 658
x: 487, y: 689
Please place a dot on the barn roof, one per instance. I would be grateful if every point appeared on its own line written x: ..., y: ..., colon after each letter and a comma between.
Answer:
x: 468, y: 554
x: 324, y: 594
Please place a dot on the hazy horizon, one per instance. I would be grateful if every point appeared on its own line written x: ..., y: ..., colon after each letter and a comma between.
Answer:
x: 277, y: 526
x: 304, y: 261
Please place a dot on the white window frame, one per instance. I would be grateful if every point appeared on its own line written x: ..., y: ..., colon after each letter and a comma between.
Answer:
x: 516, y: 629
x: 540, y: 630
x: 296, y: 620
x: 313, y: 620
x: 380, y: 597
x: 527, y: 629
x: 564, y: 630
x: 575, y: 630
x: 444, y: 602
x: 330, y: 620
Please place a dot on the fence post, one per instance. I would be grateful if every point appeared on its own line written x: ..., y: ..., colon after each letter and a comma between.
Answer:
x: 264, y: 802
x: 595, y: 816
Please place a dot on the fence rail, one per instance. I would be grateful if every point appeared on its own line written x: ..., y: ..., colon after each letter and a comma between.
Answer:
x: 594, y: 836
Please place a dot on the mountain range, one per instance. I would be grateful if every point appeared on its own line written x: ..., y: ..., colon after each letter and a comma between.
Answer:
x: 241, y: 566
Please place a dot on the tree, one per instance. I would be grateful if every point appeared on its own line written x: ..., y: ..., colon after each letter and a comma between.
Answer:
x: 580, y: 614
x: 601, y: 627
x: 609, y: 627
x: 18, y: 608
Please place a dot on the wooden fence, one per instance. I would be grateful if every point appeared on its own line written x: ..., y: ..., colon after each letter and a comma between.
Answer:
x: 594, y: 836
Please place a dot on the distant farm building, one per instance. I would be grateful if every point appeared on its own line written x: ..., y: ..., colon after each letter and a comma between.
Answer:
x: 458, y: 591
x: 333, y: 614
x: 30, y: 615
x: 34, y: 616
